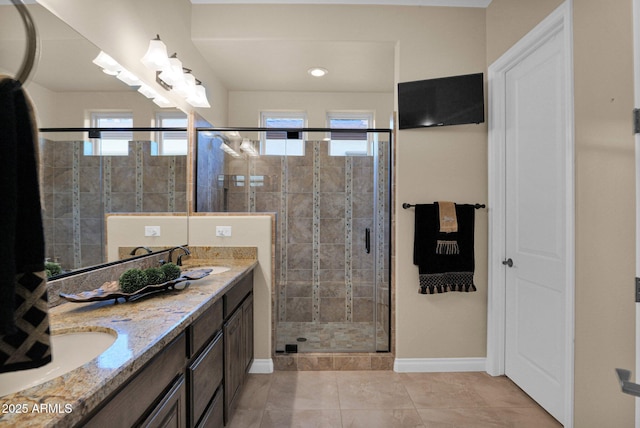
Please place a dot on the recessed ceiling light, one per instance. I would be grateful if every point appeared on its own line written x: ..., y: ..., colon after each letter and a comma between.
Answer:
x: 318, y: 71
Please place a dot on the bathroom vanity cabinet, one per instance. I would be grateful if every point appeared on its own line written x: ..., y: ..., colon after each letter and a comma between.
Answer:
x: 194, y: 380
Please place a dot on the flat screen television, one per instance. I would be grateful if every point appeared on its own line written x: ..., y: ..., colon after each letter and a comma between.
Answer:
x: 453, y: 100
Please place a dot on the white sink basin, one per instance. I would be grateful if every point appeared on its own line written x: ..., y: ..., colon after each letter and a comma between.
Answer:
x: 69, y: 351
x: 217, y: 269
x: 214, y: 269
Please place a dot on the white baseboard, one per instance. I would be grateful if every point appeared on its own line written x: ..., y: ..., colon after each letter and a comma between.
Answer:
x: 413, y: 365
x: 261, y: 366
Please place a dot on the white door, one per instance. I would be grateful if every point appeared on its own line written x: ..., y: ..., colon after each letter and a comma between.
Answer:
x: 530, y: 317
x: 535, y: 220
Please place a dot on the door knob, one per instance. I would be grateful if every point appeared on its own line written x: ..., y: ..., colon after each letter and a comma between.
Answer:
x: 508, y: 262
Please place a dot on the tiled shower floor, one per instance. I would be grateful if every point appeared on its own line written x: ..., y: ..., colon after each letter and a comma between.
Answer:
x: 385, y: 399
x: 328, y: 337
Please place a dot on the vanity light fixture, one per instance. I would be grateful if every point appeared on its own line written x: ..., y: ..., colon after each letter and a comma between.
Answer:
x: 156, y: 57
x: 173, y: 76
x: 112, y: 67
x: 109, y: 65
x: 199, y: 97
x: 163, y: 102
x: 248, y: 148
x: 147, y: 91
x: 318, y: 71
x: 129, y: 78
x: 229, y: 150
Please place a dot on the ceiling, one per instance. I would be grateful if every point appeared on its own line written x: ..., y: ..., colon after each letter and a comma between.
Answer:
x: 255, y: 64
x: 282, y: 65
x: 450, y: 3
x: 250, y: 64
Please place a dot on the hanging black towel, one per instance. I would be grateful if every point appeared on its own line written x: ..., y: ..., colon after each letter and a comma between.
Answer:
x: 24, y: 322
x: 442, y: 271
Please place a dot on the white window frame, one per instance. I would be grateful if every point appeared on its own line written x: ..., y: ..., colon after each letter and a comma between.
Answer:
x: 96, y: 146
x: 291, y: 147
x: 166, y: 136
x: 354, y: 115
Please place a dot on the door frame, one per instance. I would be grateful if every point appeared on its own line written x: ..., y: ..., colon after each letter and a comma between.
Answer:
x: 559, y: 20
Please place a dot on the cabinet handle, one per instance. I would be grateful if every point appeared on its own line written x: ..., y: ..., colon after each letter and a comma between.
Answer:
x: 367, y: 240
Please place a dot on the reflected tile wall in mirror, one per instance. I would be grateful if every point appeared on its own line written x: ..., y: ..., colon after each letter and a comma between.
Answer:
x: 78, y: 191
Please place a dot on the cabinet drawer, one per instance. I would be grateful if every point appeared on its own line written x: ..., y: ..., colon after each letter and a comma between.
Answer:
x: 205, y: 327
x: 205, y: 375
x: 132, y: 401
x: 171, y: 411
x: 214, y: 417
x: 236, y: 295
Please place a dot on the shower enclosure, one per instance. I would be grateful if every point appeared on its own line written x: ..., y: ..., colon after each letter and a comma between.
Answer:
x: 330, y: 190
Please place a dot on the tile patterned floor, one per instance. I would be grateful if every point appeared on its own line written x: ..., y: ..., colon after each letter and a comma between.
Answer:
x: 385, y: 399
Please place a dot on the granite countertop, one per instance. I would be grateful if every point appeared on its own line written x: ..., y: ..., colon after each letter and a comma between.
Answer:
x: 143, y: 326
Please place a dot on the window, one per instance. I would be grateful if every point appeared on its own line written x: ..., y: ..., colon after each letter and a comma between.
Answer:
x: 172, y: 143
x: 349, y: 143
x: 110, y: 143
x: 280, y: 142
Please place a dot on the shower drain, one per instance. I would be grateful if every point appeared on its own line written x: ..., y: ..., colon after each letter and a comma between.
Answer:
x: 301, y: 339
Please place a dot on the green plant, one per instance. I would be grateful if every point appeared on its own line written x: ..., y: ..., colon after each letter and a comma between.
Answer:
x: 133, y: 280
x: 52, y: 268
x: 171, y: 271
x: 155, y: 275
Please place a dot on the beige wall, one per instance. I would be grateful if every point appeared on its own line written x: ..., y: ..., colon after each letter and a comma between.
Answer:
x: 248, y: 231
x: 245, y: 107
x: 434, y: 164
x: 509, y: 20
x: 605, y: 239
x: 128, y: 230
x: 605, y: 199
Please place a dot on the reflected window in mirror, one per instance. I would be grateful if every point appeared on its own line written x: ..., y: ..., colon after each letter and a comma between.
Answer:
x: 171, y: 143
x: 115, y: 143
x: 281, y: 143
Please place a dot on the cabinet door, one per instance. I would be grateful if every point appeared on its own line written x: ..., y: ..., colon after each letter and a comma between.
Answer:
x: 233, y: 360
x: 171, y: 411
x: 247, y: 331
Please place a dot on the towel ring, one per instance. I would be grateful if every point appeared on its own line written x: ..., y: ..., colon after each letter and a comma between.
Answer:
x: 32, y: 42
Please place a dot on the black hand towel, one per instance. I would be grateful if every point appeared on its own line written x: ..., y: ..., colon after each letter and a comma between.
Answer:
x: 24, y: 323
x: 441, y: 271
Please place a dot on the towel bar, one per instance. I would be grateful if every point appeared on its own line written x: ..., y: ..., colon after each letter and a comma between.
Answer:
x: 476, y: 206
x: 627, y: 387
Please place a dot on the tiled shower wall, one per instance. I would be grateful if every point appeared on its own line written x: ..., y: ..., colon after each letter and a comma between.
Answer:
x: 325, y: 279
x: 78, y: 190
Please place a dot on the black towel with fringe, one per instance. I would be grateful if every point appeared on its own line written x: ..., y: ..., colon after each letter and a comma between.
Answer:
x: 442, y: 269
x: 24, y: 321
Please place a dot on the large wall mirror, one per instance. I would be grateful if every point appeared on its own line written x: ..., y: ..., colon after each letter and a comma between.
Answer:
x: 85, y: 179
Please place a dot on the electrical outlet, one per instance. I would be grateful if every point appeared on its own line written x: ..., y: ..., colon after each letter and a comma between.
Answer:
x: 224, y: 231
x: 152, y: 231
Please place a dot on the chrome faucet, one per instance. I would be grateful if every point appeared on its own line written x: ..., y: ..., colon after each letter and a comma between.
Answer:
x: 179, y: 247
x: 147, y: 249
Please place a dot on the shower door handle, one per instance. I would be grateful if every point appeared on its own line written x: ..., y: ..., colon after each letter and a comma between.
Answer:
x: 367, y: 240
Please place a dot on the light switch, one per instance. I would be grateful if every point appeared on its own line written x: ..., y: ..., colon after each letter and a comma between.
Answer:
x: 223, y: 231
x: 152, y: 231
